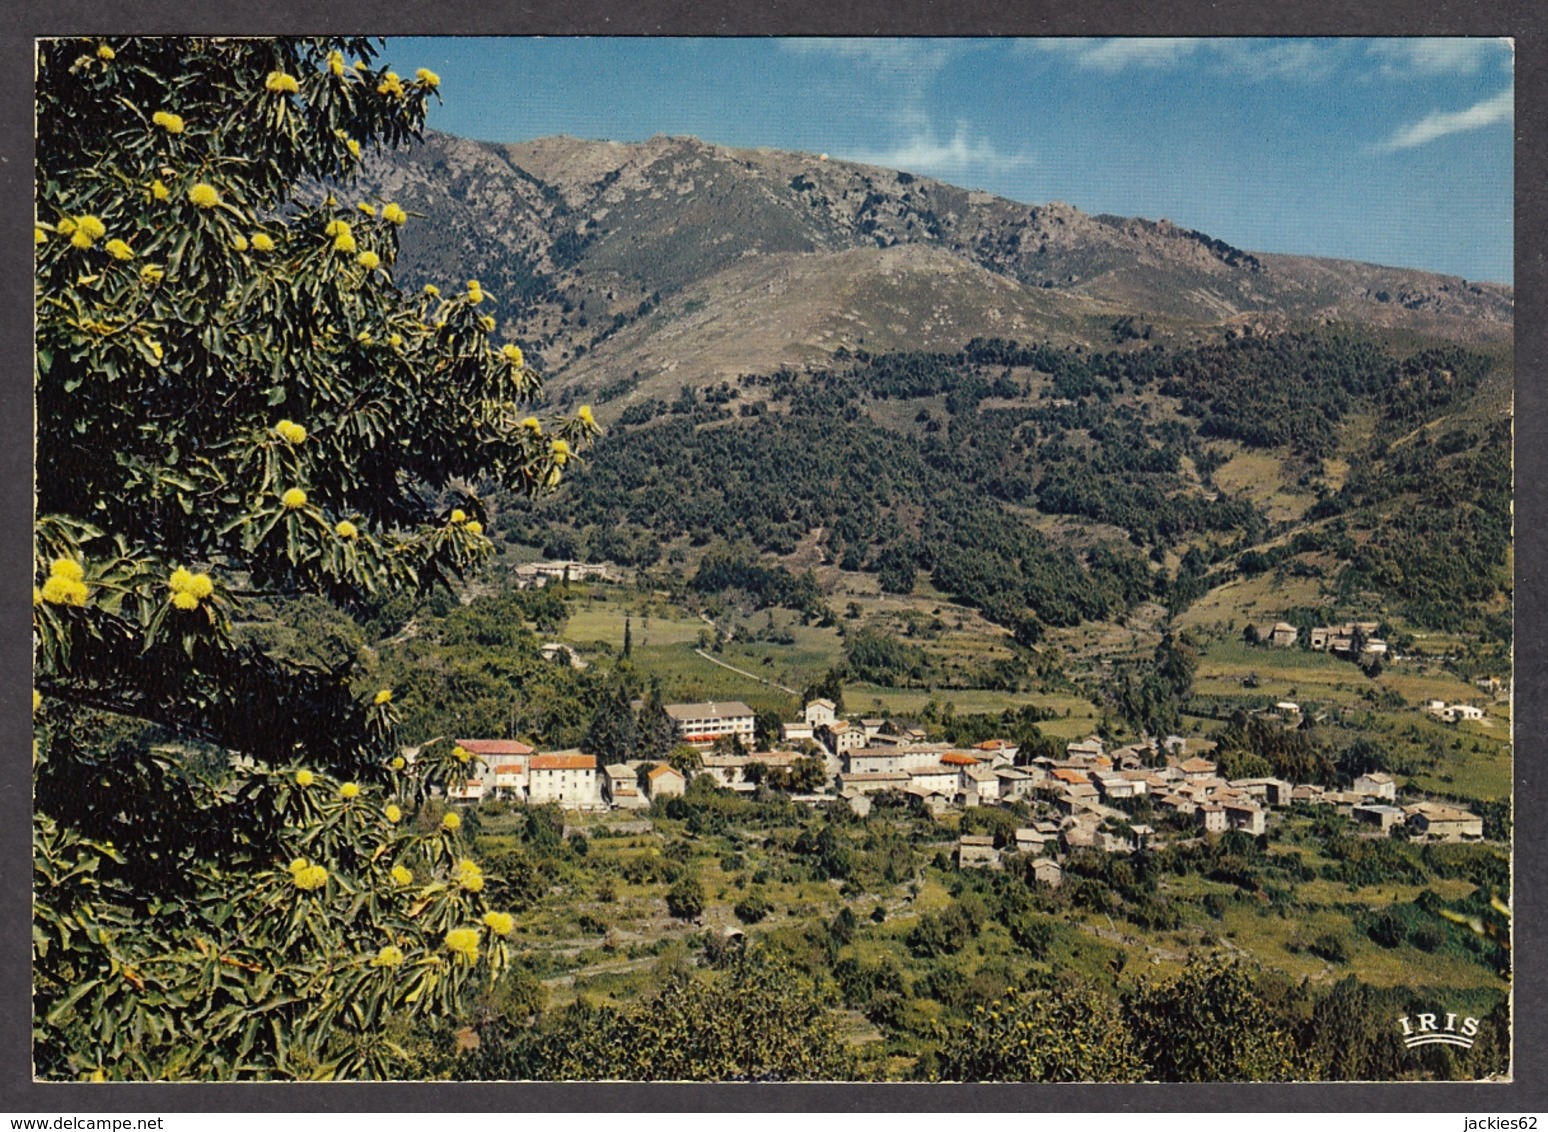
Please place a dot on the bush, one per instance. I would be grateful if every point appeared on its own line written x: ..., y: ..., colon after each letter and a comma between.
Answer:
x: 685, y: 899
x: 752, y: 908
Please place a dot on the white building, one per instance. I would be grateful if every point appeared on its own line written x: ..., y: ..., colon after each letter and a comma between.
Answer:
x: 702, y: 724
x: 665, y: 782
x: 568, y: 778
x: 841, y: 737
x: 980, y: 785
x: 937, y: 779
x: 537, y: 573
x: 1246, y: 817
x: 820, y: 713
x: 1376, y: 785
x: 620, y: 787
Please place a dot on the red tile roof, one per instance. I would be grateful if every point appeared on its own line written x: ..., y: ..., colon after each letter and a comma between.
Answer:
x: 657, y: 772
x: 496, y: 746
x: 564, y: 762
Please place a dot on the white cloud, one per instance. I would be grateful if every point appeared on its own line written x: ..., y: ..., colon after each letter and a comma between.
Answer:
x: 1112, y: 55
x: 1411, y: 58
x: 1500, y: 108
x: 1278, y: 59
x: 962, y: 157
x: 916, y: 56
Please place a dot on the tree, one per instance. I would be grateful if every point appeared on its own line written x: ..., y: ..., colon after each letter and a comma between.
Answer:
x: 685, y: 899
x: 1210, y: 1024
x: 1069, y: 1033
x: 830, y: 687
x: 655, y: 733
x: 895, y: 570
x: 234, y: 401
x: 613, y: 736
x: 768, y: 729
x: 758, y: 1019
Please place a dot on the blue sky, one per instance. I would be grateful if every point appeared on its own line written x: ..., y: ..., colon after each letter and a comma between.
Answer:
x: 1395, y: 151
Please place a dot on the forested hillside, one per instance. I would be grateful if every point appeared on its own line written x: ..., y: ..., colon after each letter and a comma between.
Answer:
x: 952, y: 468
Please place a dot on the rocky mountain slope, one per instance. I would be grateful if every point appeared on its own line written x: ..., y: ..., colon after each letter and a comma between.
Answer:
x: 685, y: 262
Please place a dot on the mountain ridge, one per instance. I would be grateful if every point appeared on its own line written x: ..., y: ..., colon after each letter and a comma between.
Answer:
x: 583, y: 242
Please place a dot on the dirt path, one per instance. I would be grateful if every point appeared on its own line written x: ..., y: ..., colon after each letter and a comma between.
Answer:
x: 744, y: 672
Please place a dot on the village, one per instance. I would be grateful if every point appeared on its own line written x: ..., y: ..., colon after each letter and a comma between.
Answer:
x: 1092, y: 798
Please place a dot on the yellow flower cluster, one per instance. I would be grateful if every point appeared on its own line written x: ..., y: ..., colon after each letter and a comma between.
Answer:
x: 475, y: 292
x: 204, y: 196
x: 487, y: 323
x: 336, y: 63
x: 263, y: 242
x: 513, y: 355
x: 501, y: 923
x: 368, y: 209
x: 458, y: 515
x: 308, y: 877
x: 394, y: 214
x: 344, y: 243
x: 168, y: 122
x: 401, y: 876
x: 353, y: 146
x: 474, y: 527
x: 119, y: 250
x: 432, y: 290
x: 533, y: 424
x: 586, y: 417
x: 290, y: 432
x: 469, y: 876
x: 160, y: 191
x: 463, y: 942
x: 346, y: 529
x: 451, y: 822
x: 106, y: 53
x: 391, y: 85
x: 428, y: 78
x: 349, y: 791
x: 150, y: 273
x: 279, y: 82
x: 461, y: 753
x: 39, y: 236
x: 336, y: 227
x: 392, y: 813
x: 560, y: 451
x: 294, y: 499
x: 304, y: 778
x: 399, y: 763
x: 84, y: 231
x: 239, y: 242
x: 369, y: 260
x: 189, y: 589
x: 388, y: 956
x: 383, y: 697
x: 66, y: 584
